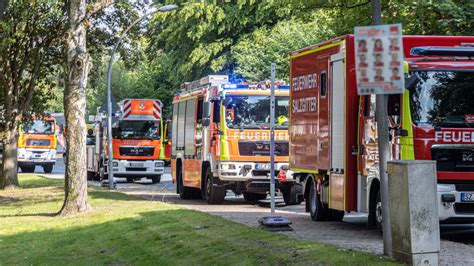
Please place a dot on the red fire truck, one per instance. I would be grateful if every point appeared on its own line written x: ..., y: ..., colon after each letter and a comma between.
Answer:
x: 333, y: 140
x: 220, y: 142
x: 136, y: 133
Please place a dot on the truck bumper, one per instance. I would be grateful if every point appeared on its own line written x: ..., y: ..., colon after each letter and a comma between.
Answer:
x: 125, y: 168
x: 250, y: 171
x: 30, y: 157
x: 451, y: 208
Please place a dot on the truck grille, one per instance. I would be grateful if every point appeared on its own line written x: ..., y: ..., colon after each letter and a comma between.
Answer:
x: 137, y: 151
x: 464, y: 187
x: 453, y: 159
x: 464, y: 208
x: 135, y: 169
x: 262, y: 148
x: 38, y: 142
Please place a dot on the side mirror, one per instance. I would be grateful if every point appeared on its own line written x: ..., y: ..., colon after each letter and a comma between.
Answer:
x: 401, y: 132
x: 206, y: 113
x: 206, y: 122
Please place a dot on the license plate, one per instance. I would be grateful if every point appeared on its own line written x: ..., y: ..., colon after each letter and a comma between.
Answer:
x: 136, y: 164
x: 467, y: 196
x: 38, y: 160
x: 262, y: 166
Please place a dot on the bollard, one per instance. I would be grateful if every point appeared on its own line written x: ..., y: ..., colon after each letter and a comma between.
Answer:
x: 414, y: 212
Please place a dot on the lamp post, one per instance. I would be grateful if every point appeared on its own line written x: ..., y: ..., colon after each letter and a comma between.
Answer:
x: 109, y: 94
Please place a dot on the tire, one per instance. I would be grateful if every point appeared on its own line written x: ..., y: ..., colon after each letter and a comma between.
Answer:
x: 156, y: 180
x: 316, y: 209
x: 90, y: 175
x: 290, y: 194
x: 48, y: 169
x: 254, y: 196
x: 378, y: 213
x: 27, y: 169
x: 129, y: 180
x: 336, y: 215
x: 214, y: 194
x: 184, y: 192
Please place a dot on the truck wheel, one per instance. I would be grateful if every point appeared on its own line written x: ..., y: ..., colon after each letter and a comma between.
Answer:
x: 48, y: 168
x: 214, y: 194
x: 27, y: 169
x: 90, y: 175
x: 156, y: 180
x: 254, y: 196
x: 129, y: 180
x: 316, y: 208
x: 336, y: 215
x: 184, y: 192
x: 290, y: 194
x: 378, y: 213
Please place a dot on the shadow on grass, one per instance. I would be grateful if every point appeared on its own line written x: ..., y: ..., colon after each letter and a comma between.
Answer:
x: 180, y: 237
x: 27, y: 181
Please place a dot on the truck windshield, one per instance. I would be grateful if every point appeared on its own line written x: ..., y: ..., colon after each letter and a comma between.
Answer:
x: 38, y: 126
x: 443, y: 98
x: 148, y: 130
x: 253, y: 111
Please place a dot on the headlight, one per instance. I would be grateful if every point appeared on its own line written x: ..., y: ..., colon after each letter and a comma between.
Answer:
x: 159, y: 164
x: 115, y: 164
x: 227, y: 166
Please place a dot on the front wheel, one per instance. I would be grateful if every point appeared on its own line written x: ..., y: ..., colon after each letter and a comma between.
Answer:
x: 184, y: 192
x: 378, y: 213
x: 90, y: 175
x: 48, y: 168
x: 156, y: 179
x: 214, y: 194
x: 316, y: 208
x: 290, y: 194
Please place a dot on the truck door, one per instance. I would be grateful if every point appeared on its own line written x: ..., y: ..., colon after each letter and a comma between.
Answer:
x: 337, y: 132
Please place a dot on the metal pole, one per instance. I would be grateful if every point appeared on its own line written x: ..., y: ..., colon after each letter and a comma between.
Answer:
x: 109, y: 93
x: 381, y: 115
x: 272, y: 141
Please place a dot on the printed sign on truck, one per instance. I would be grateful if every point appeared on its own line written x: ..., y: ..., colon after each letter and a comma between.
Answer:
x: 379, y: 59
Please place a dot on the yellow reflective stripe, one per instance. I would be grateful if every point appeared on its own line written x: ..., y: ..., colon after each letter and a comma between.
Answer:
x: 301, y: 170
x: 162, y: 135
x: 224, y: 145
x: 405, y: 67
x: 317, y: 49
x: 408, y: 151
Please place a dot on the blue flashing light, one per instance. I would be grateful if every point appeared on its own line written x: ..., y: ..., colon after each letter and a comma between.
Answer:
x: 442, y: 51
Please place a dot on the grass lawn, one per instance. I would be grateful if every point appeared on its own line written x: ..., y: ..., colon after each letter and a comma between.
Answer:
x: 122, y: 229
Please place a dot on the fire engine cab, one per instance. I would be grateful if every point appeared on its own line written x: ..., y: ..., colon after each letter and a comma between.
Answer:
x: 220, y: 140
x: 136, y: 133
x: 333, y: 140
x: 37, y: 143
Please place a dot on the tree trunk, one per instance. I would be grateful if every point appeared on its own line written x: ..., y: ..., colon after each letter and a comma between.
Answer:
x: 76, y: 70
x: 9, y: 179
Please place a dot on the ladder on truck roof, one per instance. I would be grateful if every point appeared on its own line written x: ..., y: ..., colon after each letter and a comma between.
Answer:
x: 203, y: 82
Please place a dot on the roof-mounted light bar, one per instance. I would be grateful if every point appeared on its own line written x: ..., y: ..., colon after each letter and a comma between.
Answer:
x: 442, y: 51
x: 253, y: 87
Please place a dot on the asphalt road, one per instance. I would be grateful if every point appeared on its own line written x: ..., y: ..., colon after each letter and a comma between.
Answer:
x: 351, y: 233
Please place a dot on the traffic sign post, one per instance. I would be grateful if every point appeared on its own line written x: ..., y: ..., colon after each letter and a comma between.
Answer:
x: 273, y: 223
x: 379, y: 70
